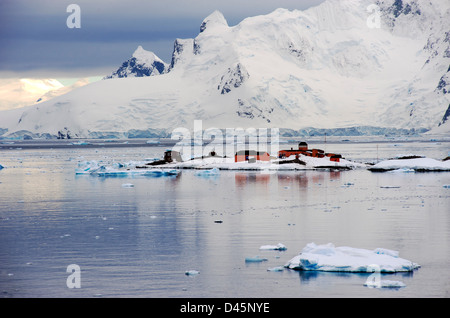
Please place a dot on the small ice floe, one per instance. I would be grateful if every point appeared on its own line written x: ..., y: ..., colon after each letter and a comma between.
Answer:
x: 127, y: 185
x: 276, y: 269
x: 1, y: 167
x: 95, y: 168
x: 329, y: 258
x: 278, y: 247
x: 80, y: 143
x: 208, y: 172
x: 384, y: 284
x: 192, y: 272
x: 159, y: 172
x: 255, y: 259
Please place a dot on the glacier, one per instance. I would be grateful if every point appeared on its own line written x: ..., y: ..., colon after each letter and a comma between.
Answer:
x: 320, y: 70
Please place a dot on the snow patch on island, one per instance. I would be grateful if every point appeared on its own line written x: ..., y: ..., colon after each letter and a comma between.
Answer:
x: 416, y: 164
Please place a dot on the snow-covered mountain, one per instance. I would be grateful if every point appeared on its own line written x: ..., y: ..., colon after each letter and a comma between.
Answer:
x: 142, y: 63
x: 16, y: 92
x: 328, y: 67
x: 20, y: 92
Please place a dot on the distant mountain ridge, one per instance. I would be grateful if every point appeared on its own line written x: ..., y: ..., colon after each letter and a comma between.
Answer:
x: 320, y: 69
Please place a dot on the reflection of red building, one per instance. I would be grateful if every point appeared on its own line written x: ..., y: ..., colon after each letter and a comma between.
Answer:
x: 246, y: 178
x: 303, y: 150
x: 251, y: 155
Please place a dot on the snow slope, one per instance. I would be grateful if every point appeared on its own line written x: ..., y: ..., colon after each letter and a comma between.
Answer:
x: 16, y: 93
x: 323, y: 67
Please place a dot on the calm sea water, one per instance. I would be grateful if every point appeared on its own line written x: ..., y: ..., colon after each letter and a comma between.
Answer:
x: 140, y: 241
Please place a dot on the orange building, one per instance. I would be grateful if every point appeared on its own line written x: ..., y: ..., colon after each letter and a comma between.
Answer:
x: 303, y: 150
x: 251, y: 155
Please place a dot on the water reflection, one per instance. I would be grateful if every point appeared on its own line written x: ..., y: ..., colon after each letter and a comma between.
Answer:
x: 139, y: 241
x: 301, y: 179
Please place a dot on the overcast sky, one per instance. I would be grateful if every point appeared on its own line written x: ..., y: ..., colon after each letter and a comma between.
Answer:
x: 36, y: 42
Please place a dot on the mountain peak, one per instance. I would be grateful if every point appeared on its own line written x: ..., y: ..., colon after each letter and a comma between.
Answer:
x: 214, y: 19
x: 142, y: 63
x: 145, y: 56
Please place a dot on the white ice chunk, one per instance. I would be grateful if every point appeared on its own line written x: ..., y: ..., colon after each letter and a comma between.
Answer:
x: 279, y: 247
x: 384, y: 284
x: 347, y: 259
x: 192, y: 272
x: 255, y: 259
x: 208, y: 172
x: 127, y: 185
x: 120, y: 170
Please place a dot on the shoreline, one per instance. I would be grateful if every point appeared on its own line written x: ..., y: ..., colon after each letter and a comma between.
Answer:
x: 166, y: 142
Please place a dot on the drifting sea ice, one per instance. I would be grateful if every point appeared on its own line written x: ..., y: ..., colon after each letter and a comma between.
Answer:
x: 191, y: 272
x: 120, y: 170
x: 384, y: 284
x: 279, y: 247
x: 255, y: 259
x: 329, y: 258
x: 207, y: 173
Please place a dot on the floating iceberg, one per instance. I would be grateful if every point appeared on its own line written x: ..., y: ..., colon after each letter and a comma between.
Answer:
x: 80, y: 143
x: 329, y: 258
x: 255, y: 259
x: 279, y: 247
x: 120, y: 170
x: 407, y: 165
x: 191, y: 272
x: 384, y: 284
x: 208, y: 172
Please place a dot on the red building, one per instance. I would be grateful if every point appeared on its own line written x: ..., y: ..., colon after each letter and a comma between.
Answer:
x: 251, y: 155
x: 303, y: 150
